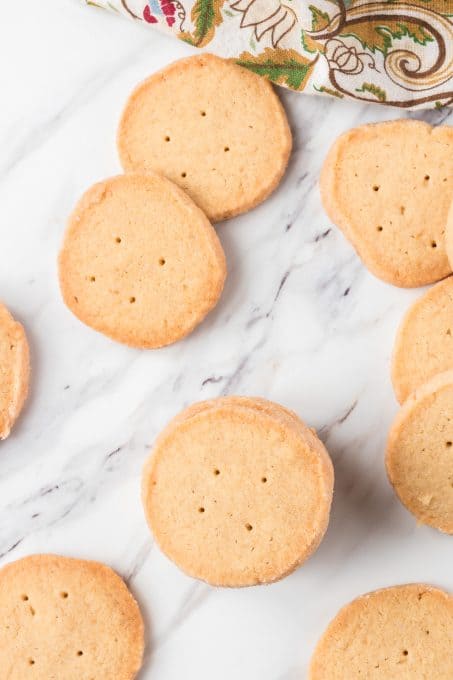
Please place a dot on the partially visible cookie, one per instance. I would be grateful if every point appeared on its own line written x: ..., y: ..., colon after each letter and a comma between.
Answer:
x: 14, y: 370
x: 237, y: 491
x: 215, y: 128
x: 140, y: 262
x: 424, y: 343
x: 419, y: 456
x: 389, y: 186
x: 67, y: 619
x: 399, y: 633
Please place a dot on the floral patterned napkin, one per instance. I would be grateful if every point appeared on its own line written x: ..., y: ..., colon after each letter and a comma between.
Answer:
x: 394, y: 52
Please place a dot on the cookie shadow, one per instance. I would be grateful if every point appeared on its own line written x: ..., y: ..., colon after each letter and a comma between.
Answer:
x: 364, y: 503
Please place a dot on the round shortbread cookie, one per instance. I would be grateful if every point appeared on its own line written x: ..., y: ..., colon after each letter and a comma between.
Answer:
x: 67, y: 618
x: 424, y: 343
x: 388, y: 186
x: 14, y: 370
x: 214, y: 128
x: 140, y: 262
x: 399, y: 633
x: 237, y: 491
x: 419, y: 457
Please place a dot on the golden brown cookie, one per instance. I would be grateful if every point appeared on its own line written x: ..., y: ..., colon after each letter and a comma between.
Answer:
x: 399, y: 633
x: 14, y: 370
x: 214, y: 128
x: 140, y: 262
x: 67, y: 619
x: 388, y: 186
x: 237, y: 491
x: 424, y: 343
x: 419, y: 457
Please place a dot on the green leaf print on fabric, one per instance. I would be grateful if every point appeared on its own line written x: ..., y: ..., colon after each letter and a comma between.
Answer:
x: 378, y: 92
x: 205, y: 15
x: 310, y: 44
x: 319, y: 19
x: 374, y: 36
x: 328, y: 90
x: 286, y: 67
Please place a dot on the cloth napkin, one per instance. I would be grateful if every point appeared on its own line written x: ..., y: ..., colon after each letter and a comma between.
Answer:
x: 393, y: 52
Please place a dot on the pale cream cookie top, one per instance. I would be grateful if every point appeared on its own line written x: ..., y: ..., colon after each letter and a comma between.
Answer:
x: 215, y: 128
x: 399, y: 633
x: 140, y: 262
x: 238, y: 492
x: 419, y: 457
x: 424, y: 343
x: 14, y: 370
x: 388, y: 186
x: 67, y: 619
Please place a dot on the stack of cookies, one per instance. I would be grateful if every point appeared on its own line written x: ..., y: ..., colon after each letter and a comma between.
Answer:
x: 389, y: 187
x: 238, y: 491
x: 420, y: 445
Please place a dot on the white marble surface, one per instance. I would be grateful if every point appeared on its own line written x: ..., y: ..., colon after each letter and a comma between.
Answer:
x: 300, y: 322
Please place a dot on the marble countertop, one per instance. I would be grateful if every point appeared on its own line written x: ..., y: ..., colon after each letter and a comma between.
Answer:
x: 300, y: 322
